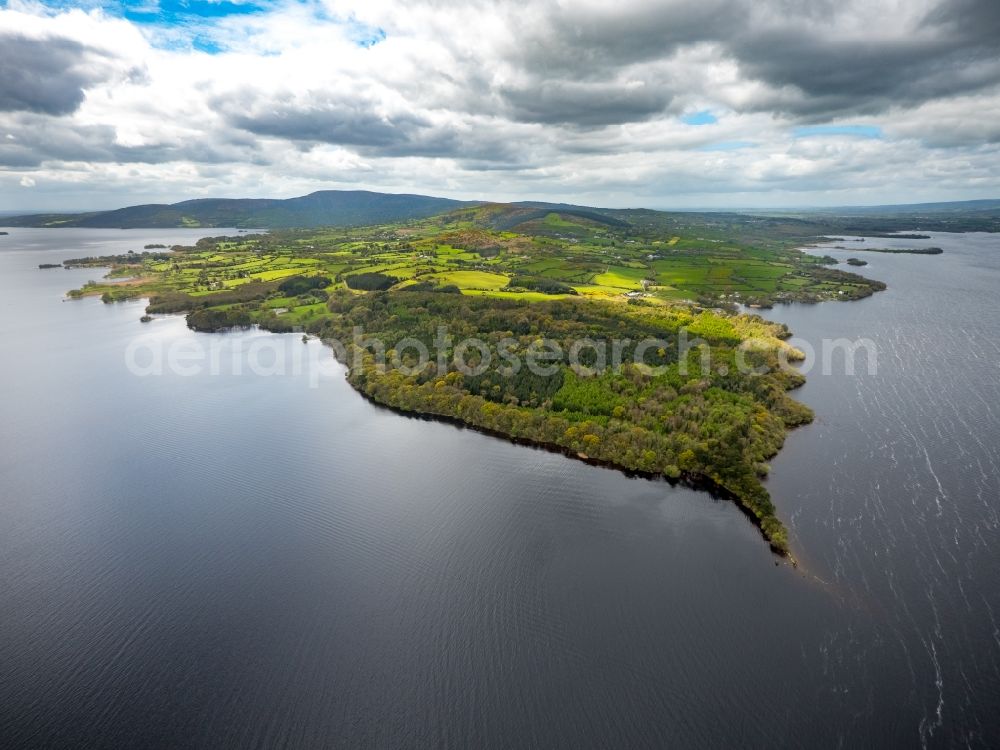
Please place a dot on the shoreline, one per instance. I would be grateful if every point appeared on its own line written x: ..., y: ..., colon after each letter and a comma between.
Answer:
x: 692, y: 480
x: 714, y: 473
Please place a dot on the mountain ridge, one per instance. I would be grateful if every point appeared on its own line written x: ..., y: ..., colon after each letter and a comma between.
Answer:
x: 320, y: 208
x: 365, y: 207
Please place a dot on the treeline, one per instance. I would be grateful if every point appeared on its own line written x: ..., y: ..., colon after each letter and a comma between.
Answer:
x: 430, y: 286
x: 371, y: 281
x: 540, y: 284
x: 296, y: 285
x: 131, y: 258
x: 175, y: 302
x: 210, y: 320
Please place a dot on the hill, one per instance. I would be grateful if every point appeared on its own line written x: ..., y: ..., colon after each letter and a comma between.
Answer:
x: 323, y: 208
x: 983, y: 206
x: 953, y: 216
x: 535, y: 218
x: 356, y: 208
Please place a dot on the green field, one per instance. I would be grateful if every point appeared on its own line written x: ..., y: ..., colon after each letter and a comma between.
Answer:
x: 499, y: 270
x: 621, y: 277
x: 472, y: 279
x: 547, y: 256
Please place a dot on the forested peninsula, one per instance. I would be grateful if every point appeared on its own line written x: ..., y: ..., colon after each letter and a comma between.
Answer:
x: 705, y: 403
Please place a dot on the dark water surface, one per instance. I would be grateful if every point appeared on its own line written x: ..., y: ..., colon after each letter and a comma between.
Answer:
x: 226, y: 560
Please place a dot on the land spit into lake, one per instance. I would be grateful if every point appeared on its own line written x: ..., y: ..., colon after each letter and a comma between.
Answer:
x: 896, y: 236
x: 587, y: 296
x: 658, y: 414
x: 896, y: 250
x: 904, y: 250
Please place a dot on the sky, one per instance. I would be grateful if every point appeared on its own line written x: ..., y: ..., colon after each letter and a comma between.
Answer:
x: 667, y: 104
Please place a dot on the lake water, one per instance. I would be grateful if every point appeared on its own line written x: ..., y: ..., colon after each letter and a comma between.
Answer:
x: 234, y: 560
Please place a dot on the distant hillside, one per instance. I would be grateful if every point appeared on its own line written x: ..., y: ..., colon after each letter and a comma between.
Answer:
x: 323, y: 208
x: 364, y: 208
x: 985, y: 206
x: 534, y: 218
x: 954, y: 216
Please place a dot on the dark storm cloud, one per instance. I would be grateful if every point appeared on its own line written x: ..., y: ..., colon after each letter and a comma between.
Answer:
x: 581, y: 43
x: 448, y: 142
x: 812, y: 71
x: 585, y: 104
x: 46, y: 75
x: 327, y: 119
x: 955, y: 51
x: 351, y: 121
x: 973, y: 21
x: 29, y: 140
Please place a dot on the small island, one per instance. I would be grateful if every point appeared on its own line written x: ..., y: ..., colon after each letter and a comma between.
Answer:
x: 856, y: 262
x: 50, y: 265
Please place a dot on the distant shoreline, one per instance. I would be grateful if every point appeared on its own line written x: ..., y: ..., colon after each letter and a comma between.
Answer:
x: 894, y: 250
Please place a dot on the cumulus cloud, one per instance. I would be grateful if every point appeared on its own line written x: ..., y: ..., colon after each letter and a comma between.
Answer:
x: 340, y: 118
x: 576, y: 100
x: 47, y: 74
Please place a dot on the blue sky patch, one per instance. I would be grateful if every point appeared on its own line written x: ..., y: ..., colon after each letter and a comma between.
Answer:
x: 192, y: 21
x: 364, y: 35
x: 179, y: 11
x: 700, y: 118
x: 206, y: 44
x: 858, y: 131
x: 188, y: 24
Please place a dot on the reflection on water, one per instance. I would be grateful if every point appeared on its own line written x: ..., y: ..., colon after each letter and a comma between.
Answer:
x: 222, y: 560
